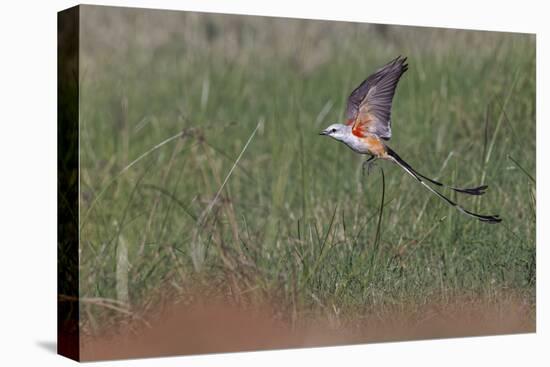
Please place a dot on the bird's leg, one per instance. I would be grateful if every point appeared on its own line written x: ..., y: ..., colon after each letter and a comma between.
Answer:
x: 369, y: 164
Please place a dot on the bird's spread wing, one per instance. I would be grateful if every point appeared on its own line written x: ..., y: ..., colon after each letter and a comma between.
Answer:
x: 369, y: 105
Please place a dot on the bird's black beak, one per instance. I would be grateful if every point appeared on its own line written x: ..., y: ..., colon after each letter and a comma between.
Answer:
x: 323, y: 132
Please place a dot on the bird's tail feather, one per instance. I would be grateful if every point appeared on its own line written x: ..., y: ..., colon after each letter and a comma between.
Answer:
x: 407, y: 168
x: 480, y: 190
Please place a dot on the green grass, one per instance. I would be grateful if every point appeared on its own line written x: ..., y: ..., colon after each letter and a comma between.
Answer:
x: 296, y: 221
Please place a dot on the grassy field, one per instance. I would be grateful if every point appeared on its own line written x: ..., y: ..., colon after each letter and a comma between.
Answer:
x: 295, y: 221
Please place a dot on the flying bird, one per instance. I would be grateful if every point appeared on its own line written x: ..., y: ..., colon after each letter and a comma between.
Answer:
x: 368, y: 127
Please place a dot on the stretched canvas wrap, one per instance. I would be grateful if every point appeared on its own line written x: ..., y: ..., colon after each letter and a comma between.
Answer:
x: 237, y: 183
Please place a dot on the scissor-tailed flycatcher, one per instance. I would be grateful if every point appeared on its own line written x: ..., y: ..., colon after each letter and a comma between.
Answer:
x: 368, y: 125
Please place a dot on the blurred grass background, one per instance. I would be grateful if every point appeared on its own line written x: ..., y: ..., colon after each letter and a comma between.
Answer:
x: 296, y: 222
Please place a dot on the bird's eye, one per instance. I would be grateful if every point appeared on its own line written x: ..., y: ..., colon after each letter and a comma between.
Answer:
x: 333, y: 130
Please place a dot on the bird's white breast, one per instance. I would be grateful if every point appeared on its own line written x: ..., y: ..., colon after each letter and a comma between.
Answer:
x: 356, y: 144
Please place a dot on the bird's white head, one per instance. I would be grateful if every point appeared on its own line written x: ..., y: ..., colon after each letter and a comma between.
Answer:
x: 337, y: 131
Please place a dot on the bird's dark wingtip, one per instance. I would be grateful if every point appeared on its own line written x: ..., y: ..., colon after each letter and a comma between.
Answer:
x: 399, y: 60
x: 402, y: 62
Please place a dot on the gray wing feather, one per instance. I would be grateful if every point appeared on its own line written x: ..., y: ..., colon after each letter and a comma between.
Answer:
x: 374, y: 96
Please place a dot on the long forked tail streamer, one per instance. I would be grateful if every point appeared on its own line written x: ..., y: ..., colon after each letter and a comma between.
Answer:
x: 410, y: 171
x: 480, y: 190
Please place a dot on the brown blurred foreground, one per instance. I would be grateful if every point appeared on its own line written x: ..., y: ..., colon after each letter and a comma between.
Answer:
x: 217, y: 327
